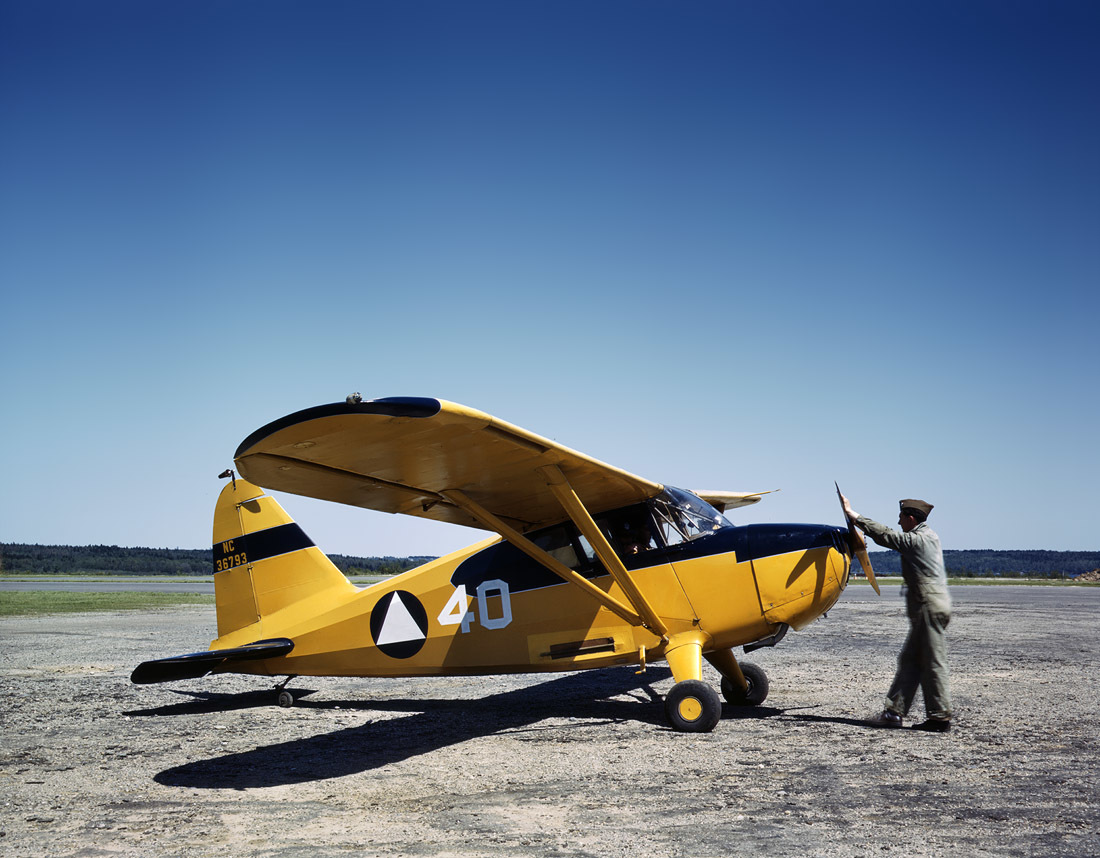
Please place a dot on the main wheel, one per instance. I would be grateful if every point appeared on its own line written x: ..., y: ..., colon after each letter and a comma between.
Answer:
x: 693, y: 706
x: 758, y: 686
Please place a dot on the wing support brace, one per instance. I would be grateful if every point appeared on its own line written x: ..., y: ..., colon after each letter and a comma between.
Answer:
x: 563, y: 491
x: 461, y: 500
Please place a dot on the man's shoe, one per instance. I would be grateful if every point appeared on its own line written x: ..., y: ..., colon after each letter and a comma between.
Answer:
x: 934, y: 725
x: 886, y: 718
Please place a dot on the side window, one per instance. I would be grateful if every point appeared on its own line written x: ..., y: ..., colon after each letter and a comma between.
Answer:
x: 589, y: 551
x: 628, y: 531
x: 504, y: 562
x: 558, y: 543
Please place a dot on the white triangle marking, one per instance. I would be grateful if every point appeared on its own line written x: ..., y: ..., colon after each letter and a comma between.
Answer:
x: 399, y: 626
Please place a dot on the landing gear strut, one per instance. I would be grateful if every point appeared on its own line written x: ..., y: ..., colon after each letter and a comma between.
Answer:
x: 284, y: 698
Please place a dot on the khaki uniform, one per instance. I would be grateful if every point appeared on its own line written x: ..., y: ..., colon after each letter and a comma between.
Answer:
x: 922, y: 662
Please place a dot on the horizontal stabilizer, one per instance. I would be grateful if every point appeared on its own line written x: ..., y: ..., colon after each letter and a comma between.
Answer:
x: 197, y: 664
x: 722, y: 501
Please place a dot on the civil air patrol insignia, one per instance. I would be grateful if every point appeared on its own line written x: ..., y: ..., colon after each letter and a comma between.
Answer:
x: 399, y: 624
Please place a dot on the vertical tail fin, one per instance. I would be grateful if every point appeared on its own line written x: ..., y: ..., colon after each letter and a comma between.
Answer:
x: 263, y: 561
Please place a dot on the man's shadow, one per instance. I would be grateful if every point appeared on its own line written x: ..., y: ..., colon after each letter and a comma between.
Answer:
x: 430, y: 724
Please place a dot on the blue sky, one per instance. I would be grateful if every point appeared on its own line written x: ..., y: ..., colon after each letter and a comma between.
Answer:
x: 721, y: 245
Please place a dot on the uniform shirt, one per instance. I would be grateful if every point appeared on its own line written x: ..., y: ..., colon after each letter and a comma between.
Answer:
x: 921, y: 563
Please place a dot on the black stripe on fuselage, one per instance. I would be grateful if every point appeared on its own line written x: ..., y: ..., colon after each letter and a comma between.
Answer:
x: 253, y: 547
x: 768, y: 540
x: 505, y: 562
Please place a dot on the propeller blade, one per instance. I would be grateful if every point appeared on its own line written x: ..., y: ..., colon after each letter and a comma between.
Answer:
x: 858, y: 546
x: 859, y: 549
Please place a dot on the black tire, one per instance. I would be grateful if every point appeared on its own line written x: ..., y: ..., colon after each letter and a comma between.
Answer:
x: 758, y: 687
x: 692, y: 706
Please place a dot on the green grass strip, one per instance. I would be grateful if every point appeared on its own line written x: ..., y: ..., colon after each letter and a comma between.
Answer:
x: 15, y: 603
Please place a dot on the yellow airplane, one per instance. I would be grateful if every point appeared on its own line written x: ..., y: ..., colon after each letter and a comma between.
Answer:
x: 590, y: 566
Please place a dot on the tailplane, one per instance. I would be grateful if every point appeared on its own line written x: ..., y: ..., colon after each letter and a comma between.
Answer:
x: 198, y: 664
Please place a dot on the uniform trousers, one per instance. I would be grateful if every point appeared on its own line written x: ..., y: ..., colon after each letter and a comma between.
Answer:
x: 922, y: 663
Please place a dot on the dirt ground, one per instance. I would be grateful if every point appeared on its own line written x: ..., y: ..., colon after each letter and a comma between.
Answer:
x: 560, y: 765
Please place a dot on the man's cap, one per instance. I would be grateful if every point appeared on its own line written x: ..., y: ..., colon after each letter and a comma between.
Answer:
x: 923, y: 506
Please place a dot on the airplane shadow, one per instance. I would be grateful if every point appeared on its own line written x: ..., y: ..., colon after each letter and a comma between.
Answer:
x: 430, y: 725
x: 205, y: 702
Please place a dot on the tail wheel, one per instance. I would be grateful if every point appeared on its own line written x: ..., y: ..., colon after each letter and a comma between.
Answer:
x: 758, y: 686
x: 692, y: 706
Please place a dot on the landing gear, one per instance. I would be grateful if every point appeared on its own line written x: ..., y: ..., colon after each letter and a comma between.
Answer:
x: 743, y: 683
x: 284, y: 698
x: 692, y: 706
x: 755, y: 694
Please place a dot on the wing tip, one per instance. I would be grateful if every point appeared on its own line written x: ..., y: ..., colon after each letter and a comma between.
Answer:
x: 390, y: 406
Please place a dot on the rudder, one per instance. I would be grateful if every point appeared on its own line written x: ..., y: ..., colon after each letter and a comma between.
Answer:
x: 263, y: 561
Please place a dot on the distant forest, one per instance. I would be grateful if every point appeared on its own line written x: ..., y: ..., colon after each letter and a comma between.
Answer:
x: 987, y: 563
x: 112, y: 560
x: 16, y: 558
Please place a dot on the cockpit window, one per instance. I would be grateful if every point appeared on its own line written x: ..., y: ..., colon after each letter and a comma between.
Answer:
x: 628, y: 530
x: 683, y: 517
x: 558, y: 543
x: 671, y: 518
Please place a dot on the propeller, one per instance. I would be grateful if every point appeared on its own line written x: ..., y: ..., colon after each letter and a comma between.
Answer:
x: 858, y: 545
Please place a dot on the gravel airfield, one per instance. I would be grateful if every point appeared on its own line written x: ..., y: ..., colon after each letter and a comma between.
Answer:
x: 578, y: 764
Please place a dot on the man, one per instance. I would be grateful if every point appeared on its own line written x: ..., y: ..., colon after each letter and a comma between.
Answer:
x: 923, y: 659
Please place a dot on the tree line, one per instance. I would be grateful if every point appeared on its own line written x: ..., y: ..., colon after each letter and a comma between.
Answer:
x: 16, y: 558
x: 989, y: 563
x: 22, y: 559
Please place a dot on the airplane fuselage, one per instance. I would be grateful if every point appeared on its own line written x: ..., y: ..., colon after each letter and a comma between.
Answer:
x: 491, y: 609
x: 590, y: 566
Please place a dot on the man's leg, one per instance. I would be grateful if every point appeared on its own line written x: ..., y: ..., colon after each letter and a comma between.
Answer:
x: 907, y: 678
x: 935, y: 681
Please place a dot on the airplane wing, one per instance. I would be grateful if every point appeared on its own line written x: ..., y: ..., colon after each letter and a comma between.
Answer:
x: 400, y: 454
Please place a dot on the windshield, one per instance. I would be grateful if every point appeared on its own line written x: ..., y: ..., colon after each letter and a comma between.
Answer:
x: 683, y: 517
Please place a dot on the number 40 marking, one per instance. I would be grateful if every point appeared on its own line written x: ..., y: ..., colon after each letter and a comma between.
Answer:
x: 458, y: 611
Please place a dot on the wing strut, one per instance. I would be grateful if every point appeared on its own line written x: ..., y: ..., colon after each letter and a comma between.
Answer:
x: 529, y: 548
x: 563, y: 491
